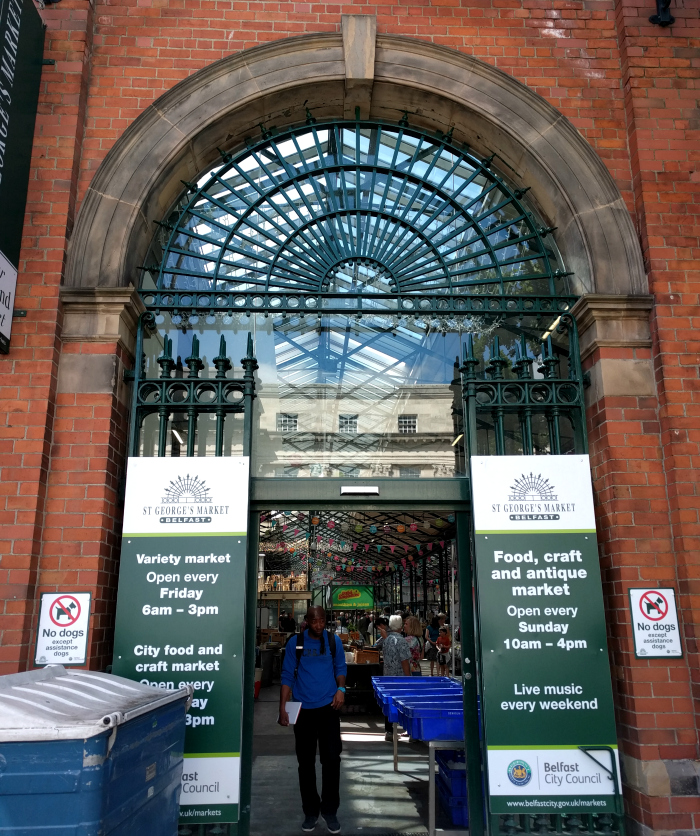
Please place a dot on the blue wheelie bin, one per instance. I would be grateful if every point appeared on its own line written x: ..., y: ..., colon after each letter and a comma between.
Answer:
x: 89, y: 754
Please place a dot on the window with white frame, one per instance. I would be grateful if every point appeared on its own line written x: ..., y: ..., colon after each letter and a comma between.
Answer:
x: 408, y: 424
x: 287, y: 422
x: 347, y: 424
x: 409, y: 472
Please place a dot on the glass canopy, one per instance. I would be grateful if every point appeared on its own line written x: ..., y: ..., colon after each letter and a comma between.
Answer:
x: 358, y: 256
x: 355, y: 208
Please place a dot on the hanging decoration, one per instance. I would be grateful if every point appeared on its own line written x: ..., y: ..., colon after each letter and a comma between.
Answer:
x: 315, y: 520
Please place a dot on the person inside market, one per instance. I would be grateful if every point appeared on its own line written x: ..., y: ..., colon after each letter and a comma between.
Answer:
x: 432, y: 633
x: 287, y: 624
x: 313, y: 673
x: 362, y: 626
x: 444, y: 644
x: 382, y: 625
x: 396, y: 654
x: 371, y: 627
x: 414, y: 632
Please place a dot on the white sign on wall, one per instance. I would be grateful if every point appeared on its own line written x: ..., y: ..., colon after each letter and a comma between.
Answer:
x: 8, y: 285
x: 655, y: 623
x: 64, y: 621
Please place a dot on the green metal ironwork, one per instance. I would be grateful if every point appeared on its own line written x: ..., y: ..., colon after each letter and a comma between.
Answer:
x: 584, y: 824
x: 355, y: 208
x: 510, y: 388
x: 225, y: 304
x: 173, y: 393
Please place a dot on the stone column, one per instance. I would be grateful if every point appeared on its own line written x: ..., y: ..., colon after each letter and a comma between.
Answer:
x: 82, y: 524
x: 653, y: 696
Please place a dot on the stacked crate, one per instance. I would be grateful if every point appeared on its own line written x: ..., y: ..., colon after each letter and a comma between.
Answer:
x: 451, y: 783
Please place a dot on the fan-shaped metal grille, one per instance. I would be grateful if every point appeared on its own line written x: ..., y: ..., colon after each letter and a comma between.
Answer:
x: 357, y: 208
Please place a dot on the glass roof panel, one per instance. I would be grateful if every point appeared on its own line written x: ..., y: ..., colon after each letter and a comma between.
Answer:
x: 353, y: 207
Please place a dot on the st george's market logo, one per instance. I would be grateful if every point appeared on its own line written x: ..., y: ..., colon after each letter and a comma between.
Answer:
x: 187, y: 499
x: 532, y: 497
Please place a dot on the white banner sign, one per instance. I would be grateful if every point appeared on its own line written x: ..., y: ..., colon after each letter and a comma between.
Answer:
x: 532, y: 493
x: 185, y: 496
x: 655, y: 622
x: 8, y: 285
x: 565, y: 772
x: 64, y: 621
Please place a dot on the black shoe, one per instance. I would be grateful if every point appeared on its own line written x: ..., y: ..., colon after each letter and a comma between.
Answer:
x: 309, y: 824
x: 332, y: 823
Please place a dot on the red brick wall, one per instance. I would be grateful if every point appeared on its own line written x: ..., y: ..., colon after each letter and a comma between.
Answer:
x: 629, y: 87
x: 83, y: 517
x: 28, y: 373
x: 566, y: 51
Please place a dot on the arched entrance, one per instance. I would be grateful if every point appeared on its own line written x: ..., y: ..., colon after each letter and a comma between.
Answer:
x: 402, y: 305
x: 417, y: 263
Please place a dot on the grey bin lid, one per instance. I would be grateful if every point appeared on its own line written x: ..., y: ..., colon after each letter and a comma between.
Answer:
x: 55, y: 703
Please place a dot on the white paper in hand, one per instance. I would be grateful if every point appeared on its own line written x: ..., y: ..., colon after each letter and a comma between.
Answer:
x: 293, y: 709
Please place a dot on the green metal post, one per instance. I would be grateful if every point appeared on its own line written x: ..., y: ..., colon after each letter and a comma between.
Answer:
x: 249, y: 365
x: 134, y: 424
x: 249, y: 674
x: 470, y: 670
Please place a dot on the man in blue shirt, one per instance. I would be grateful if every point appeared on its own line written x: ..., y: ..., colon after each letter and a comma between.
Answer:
x: 314, y: 675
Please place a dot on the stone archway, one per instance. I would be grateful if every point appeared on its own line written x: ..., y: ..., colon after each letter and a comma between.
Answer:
x: 338, y: 75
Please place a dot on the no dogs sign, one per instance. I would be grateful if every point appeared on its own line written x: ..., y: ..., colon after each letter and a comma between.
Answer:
x: 62, y: 634
x: 655, y: 623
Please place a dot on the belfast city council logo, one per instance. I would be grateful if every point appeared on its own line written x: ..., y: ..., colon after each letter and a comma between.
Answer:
x: 519, y: 773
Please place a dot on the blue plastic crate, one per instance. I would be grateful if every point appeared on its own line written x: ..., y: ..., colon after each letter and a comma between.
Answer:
x: 456, y: 807
x: 453, y: 770
x: 415, y: 685
x: 432, y: 722
x: 398, y: 705
x: 391, y: 706
x: 388, y: 680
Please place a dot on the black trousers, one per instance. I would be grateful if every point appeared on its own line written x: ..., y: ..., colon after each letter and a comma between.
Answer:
x: 319, y: 727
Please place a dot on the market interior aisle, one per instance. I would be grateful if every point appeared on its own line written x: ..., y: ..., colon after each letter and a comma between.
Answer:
x: 373, y: 798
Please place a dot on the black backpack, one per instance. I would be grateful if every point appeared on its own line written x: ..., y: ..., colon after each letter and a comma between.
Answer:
x: 300, y: 648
